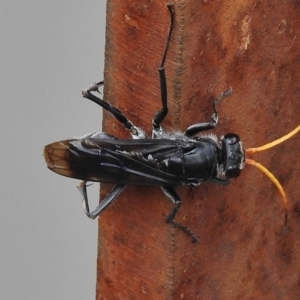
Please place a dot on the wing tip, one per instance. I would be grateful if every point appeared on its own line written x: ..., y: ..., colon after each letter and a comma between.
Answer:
x: 56, y: 157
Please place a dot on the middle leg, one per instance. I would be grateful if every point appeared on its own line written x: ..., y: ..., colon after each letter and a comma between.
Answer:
x: 172, y: 195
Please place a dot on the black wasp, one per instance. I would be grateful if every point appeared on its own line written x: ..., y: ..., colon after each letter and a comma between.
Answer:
x: 166, y: 160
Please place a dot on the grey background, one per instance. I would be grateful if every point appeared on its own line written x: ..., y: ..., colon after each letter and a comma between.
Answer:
x: 49, y: 52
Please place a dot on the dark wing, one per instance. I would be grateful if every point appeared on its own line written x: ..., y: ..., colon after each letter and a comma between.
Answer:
x: 104, y: 158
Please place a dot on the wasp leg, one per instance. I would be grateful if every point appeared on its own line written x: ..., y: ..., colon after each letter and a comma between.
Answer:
x: 172, y: 195
x: 196, y: 128
x: 135, y: 131
x: 220, y: 181
x: 161, y: 114
x: 186, y: 230
x: 114, y: 193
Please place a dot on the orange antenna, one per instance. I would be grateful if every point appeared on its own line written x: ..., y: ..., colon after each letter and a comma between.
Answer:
x: 274, y: 143
x: 273, y: 179
x: 248, y: 161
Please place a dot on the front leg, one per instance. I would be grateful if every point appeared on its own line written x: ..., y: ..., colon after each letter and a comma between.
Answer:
x: 135, y: 131
x: 196, y: 128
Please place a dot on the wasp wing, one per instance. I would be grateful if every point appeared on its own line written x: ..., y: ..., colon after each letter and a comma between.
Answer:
x: 103, y: 158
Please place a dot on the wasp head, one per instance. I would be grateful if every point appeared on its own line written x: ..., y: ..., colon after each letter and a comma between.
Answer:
x: 233, y: 155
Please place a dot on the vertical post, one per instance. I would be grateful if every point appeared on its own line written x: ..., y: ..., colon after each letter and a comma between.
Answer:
x: 254, y: 48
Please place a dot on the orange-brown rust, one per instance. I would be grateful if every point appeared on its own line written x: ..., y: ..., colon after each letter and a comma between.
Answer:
x: 243, y: 253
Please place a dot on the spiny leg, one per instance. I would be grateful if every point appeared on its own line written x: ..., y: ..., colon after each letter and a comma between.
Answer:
x: 172, y: 195
x: 161, y: 114
x: 135, y: 131
x: 186, y: 230
x: 114, y: 193
x: 196, y: 128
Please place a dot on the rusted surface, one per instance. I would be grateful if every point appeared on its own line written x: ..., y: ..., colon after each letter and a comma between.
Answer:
x: 243, y: 252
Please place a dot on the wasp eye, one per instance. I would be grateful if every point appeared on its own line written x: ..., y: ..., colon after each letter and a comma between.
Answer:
x: 232, y: 138
x: 233, y: 172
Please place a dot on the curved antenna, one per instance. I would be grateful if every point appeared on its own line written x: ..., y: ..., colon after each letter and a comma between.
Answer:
x: 274, y: 143
x: 248, y: 161
x: 252, y: 162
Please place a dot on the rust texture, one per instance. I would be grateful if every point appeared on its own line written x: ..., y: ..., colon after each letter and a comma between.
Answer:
x: 243, y: 251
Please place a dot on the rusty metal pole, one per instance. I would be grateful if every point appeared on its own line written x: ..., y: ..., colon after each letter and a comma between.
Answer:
x: 243, y: 252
